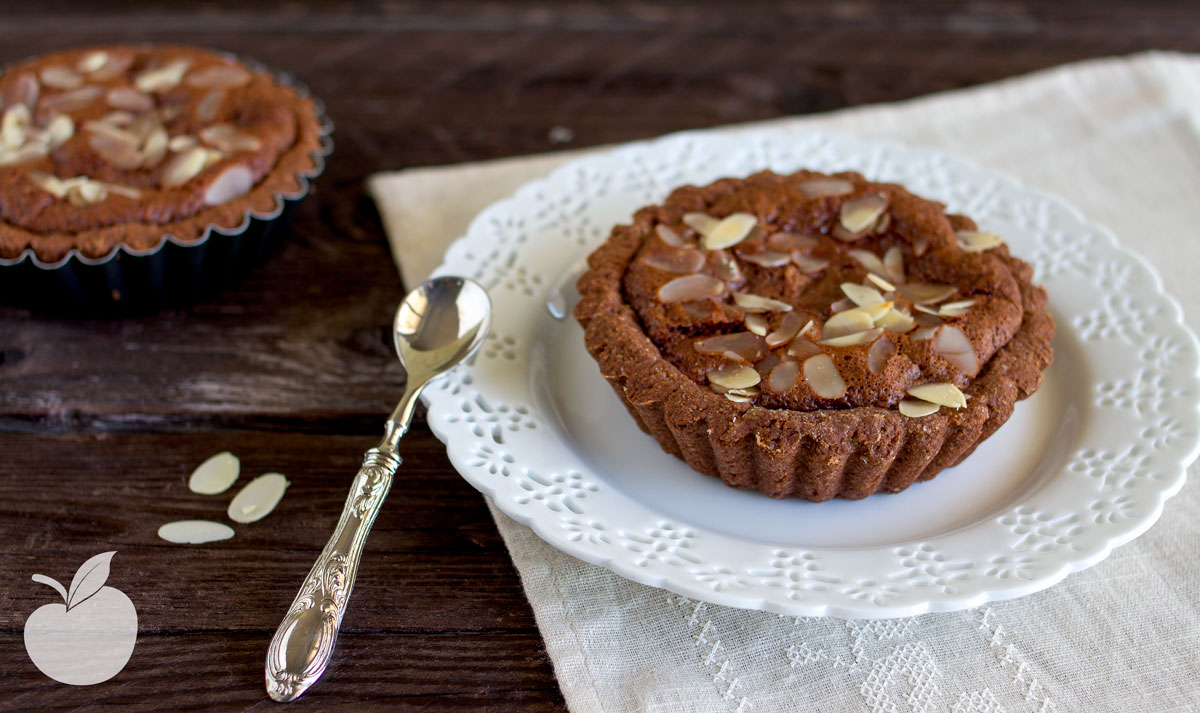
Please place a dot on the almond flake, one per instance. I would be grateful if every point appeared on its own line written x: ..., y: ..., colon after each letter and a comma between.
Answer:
x: 183, y: 142
x: 126, y: 191
x: 881, y: 351
x: 783, y: 377
x: 922, y: 293
x: 59, y: 77
x: 791, y: 326
x: 114, y: 66
x: 953, y: 346
x: 896, y: 321
x: 881, y: 283
x: 28, y: 152
x: 700, y: 222
x: 941, y: 393
x: 877, y: 311
x: 215, y: 475
x: 740, y: 346
x: 228, y: 138
x: 48, y: 183
x: 869, y: 260
x: 821, y: 187
x: 738, y: 398
x: 757, y: 324
x: 118, y: 152
x: 219, y: 76
x: 757, y: 303
x: 60, y: 130
x: 668, y: 236
x: 954, y: 309
x: 258, y: 498
x: 681, y: 261
x: 853, y: 340
x: 72, y: 100
x: 730, y: 231
x: 841, y: 305
x: 681, y: 289
x: 787, y: 242
x: 727, y: 268
x: 129, y: 99
x: 973, y: 241
x: 927, y: 320
x: 154, y: 150
x: 861, y: 295
x: 195, y: 532
x: 822, y: 376
x: 162, y: 78
x: 209, y: 106
x: 14, y: 126
x: 809, y: 264
x: 882, y: 224
x: 924, y: 334
x: 734, y: 376
x: 893, y: 262
x: 859, y: 214
x: 767, y: 258
x: 92, y: 61
x: 915, y: 408
x: 802, y: 349
x: 86, y: 192
x: 183, y: 167
x: 851, y: 321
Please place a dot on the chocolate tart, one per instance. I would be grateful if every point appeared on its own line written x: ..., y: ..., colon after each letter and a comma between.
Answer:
x: 813, y: 336
x: 139, y: 177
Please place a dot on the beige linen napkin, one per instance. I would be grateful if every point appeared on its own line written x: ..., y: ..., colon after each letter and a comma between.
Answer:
x: 1119, y: 138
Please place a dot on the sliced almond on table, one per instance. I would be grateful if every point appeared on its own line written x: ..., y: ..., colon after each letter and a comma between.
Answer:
x: 757, y: 303
x: 974, y: 241
x: 734, y: 376
x: 195, y: 532
x: 668, y: 236
x: 822, y: 376
x: 744, y: 346
x: 953, y: 346
x: 681, y: 289
x: 861, y: 295
x: 857, y: 215
x: 730, y: 231
x: 881, y: 351
x: 821, y: 187
x: 220, y: 76
x: 675, y: 260
x: 215, y: 475
x: 783, y: 376
x: 923, y: 293
x: 942, y: 393
x: 258, y: 498
x: 702, y: 223
x: 757, y: 324
x: 791, y: 326
x: 915, y: 408
x: 851, y: 321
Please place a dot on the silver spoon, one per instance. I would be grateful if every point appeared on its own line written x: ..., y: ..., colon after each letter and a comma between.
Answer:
x: 438, y: 325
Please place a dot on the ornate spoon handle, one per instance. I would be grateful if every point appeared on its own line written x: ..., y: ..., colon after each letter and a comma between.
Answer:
x: 304, y: 641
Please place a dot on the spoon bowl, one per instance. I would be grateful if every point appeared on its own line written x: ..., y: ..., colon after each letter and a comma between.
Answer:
x: 440, y: 323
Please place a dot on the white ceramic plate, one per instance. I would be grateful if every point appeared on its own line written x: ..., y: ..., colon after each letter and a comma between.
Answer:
x: 1083, y: 466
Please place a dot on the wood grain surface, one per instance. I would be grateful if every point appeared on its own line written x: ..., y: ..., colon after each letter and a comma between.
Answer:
x: 101, y: 421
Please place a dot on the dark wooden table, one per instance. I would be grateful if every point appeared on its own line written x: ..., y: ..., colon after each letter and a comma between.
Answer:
x: 101, y: 422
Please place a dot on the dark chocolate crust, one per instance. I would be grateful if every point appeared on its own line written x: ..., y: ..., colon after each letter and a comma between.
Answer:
x: 815, y: 452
